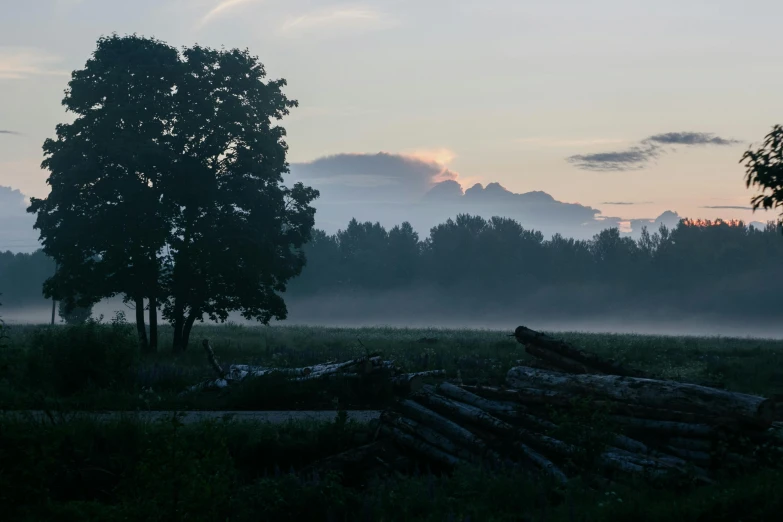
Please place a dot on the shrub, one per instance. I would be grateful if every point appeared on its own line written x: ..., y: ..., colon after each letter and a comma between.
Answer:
x: 67, y: 360
x: 77, y: 315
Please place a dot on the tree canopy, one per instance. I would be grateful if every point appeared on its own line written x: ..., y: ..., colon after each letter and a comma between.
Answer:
x: 168, y: 186
x: 764, y: 169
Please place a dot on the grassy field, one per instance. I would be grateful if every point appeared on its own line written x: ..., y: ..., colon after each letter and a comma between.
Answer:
x: 98, y: 368
x: 128, y: 469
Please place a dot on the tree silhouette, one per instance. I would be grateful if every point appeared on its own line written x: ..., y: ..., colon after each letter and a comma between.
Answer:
x: 764, y: 169
x: 167, y: 186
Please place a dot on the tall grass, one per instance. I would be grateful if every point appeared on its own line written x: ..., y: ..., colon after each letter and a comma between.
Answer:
x: 96, y: 366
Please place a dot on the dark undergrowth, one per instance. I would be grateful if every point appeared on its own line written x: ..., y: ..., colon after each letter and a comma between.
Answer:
x: 130, y: 470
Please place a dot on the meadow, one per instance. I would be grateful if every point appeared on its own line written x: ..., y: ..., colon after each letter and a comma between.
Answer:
x: 53, y: 468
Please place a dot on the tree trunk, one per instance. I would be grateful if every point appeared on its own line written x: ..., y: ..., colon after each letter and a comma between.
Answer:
x: 650, y: 392
x: 187, y: 328
x: 178, y: 323
x: 153, y: 324
x: 140, y: 327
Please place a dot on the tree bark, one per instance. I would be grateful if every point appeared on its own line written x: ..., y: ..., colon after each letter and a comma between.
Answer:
x: 664, y: 428
x: 213, y: 360
x: 650, y: 392
x: 443, y: 425
x: 153, y: 311
x: 408, y: 383
x: 464, y: 412
x: 505, y: 410
x: 187, y: 328
x: 429, y: 435
x: 527, y: 337
x: 141, y: 328
x: 178, y: 323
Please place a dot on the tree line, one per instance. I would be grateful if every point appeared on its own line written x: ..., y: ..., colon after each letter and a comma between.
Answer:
x: 697, y: 266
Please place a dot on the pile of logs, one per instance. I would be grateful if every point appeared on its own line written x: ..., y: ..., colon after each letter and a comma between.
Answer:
x: 649, y: 427
x: 369, y: 365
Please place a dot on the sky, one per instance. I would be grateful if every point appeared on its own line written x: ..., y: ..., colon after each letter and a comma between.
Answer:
x: 625, y: 108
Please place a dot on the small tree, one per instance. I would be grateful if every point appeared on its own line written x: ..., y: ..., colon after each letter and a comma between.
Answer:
x: 74, y: 314
x: 764, y: 168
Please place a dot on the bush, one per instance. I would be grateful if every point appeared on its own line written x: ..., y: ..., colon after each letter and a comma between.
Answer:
x: 77, y: 315
x: 71, y: 359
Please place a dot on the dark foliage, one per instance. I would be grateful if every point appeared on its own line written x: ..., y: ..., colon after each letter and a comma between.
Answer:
x: 79, y: 358
x: 128, y: 470
x: 167, y: 187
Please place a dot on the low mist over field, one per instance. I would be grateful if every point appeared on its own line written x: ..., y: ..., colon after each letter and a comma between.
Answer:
x: 417, y: 311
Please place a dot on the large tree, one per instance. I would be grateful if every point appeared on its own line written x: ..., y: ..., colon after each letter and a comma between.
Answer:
x: 764, y: 169
x: 168, y: 186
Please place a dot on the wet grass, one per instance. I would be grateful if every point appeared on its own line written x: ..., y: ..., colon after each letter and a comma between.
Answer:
x: 155, y: 381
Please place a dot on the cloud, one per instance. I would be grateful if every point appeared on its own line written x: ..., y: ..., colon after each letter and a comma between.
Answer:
x: 727, y: 207
x: 221, y: 7
x: 387, y: 176
x: 691, y: 138
x: 10, y: 132
x: 19, y: 63
x: 634, y: 158
x: 16, y: 225
x: 339, y: 17
x: 419, y: 187
x: 638, y: 157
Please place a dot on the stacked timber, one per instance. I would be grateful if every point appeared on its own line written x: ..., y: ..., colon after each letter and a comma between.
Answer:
x: 649, y: 427
x: 362, y: 367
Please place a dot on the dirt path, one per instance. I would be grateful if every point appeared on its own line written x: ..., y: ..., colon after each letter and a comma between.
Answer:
x: 188, y: 417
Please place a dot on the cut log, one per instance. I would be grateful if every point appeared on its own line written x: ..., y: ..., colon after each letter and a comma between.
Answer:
x: 650, y: 392
x: 413, y: 382
x: 212, y: 384
x: 542, y: 463
x: 319, y: 371
x: 422, y: 447
x: 465, y: 412
x: 559, y: 362
x: 664, y: 428
x: 463, y: 395
x: 691, y: 444
x: 212, y: 359
x: 442, y: 425
x: 506, y: 410
x: 412, y: 427
x: 537, y: 363
x: 700, y: 458
x: 527, y: 336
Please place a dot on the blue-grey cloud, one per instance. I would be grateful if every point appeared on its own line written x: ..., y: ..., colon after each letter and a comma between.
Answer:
x: 626, y: 203
x: 638, y: 157
x: 392, y: 188
x: 690, y: 138
x: 3, y: 131
x: 634, y: 158
x: 16, y: 225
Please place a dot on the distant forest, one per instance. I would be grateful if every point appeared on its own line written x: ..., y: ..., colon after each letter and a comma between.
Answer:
x: 472, y: 264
